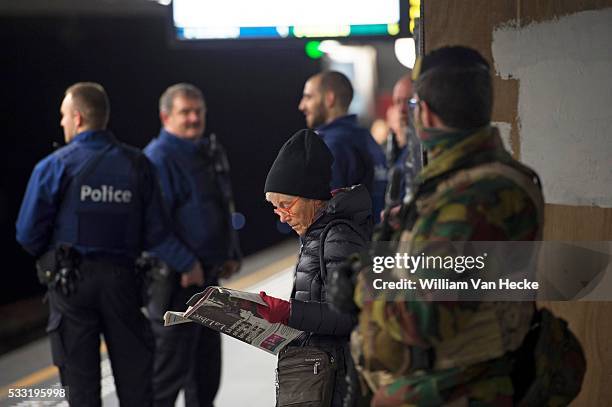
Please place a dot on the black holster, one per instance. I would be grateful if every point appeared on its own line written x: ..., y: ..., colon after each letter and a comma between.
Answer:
x: 160, y: 282
x: 46, y: 267
x: 59, y: 269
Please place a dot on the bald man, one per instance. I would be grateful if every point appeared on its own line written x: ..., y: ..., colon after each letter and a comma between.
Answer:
x: 398, y: 112
x: 402, y: 147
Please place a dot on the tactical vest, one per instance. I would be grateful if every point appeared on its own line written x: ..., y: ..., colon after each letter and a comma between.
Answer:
x: 101, y: 207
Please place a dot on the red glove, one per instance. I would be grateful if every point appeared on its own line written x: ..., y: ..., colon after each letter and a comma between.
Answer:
x: 277, y: 310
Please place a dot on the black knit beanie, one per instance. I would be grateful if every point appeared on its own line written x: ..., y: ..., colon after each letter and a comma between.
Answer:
x: 302, y: 167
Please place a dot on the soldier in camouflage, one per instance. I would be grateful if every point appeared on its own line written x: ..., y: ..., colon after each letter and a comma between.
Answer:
x: 463, y: 353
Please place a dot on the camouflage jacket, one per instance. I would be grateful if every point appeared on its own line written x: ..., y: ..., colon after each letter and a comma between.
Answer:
x: 470, y: 190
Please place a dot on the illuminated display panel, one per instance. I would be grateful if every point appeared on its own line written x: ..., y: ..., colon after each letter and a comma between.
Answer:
x: 269, y: 19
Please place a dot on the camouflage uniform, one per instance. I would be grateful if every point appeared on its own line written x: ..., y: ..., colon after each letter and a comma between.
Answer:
x: 471, y: 189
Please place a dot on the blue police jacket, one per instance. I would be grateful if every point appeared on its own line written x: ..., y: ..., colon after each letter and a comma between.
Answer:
x: 97, y: 195
x: 196, y: 194
x: 348, y: 143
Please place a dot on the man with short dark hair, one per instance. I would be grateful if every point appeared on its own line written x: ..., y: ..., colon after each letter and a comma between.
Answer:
x: 325, y: 102
x: 91, y: 101
x: 453, y: 97
x: 89, y: 209
x: 415, y: 350
x: 194, y: 174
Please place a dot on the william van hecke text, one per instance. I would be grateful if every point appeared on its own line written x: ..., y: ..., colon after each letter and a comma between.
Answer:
x: 448, y: 284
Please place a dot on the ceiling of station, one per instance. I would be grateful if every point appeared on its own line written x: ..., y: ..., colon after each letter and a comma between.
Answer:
x: 50, y: 8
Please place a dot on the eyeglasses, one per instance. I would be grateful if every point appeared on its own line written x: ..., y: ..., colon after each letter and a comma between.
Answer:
x: 286, y: 210
x: 413, y: 103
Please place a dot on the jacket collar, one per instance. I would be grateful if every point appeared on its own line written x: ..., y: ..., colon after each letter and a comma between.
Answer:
x: 94, y: 137
x: 352, y: 203
x: 452, y: 150
x: 349, y: 119
x: 184, y: 145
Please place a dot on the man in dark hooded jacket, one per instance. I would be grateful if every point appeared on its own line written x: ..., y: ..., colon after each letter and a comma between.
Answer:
x: 298, y: 187
x: 325, y: 103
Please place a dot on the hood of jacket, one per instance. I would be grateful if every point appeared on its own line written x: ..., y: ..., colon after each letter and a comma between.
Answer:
x: 353, y: 204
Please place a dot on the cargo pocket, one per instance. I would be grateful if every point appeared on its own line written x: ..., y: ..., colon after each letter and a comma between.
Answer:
x: 305, y: 377
x: 55, y: 337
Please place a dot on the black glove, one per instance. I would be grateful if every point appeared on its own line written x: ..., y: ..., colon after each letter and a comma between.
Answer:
x: 341, y: 285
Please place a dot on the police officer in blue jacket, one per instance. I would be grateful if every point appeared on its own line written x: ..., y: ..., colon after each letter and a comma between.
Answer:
x: 194, y: 175
x: 89, y: 209
x: 325, y: 102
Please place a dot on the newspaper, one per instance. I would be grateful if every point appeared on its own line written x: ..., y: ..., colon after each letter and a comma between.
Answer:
x: 234, y: 313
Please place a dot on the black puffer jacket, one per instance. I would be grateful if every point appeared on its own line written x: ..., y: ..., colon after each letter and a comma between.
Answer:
x: 328, y: 329
x: 309, y: 311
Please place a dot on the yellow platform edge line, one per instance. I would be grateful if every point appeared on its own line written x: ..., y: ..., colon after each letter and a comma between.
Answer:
x: 239, y: 284
x: 37, y: 377
x: 263, y: 273
x: 30, y: 380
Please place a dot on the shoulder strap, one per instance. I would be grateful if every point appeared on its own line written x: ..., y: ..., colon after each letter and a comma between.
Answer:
x: 222, y: 178
x: 322, y: 237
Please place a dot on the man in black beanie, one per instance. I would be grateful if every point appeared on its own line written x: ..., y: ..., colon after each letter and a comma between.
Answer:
x: 298, y: 185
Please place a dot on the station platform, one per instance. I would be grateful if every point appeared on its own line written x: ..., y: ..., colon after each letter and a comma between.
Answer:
x: 248, y: 374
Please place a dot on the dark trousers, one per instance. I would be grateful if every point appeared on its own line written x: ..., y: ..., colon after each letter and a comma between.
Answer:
x: 188, y: 357
x: 106, y: 302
